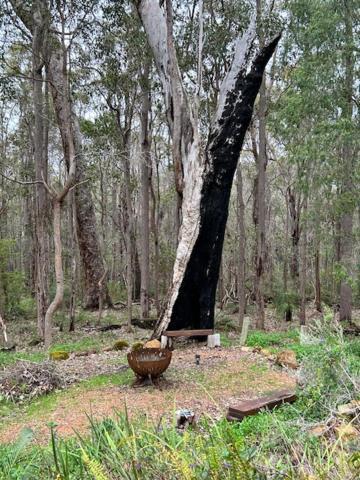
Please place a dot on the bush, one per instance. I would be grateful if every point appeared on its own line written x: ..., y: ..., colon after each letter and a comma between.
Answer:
x: 328, y: 373
x: 120, y: 345
x: 59, y: 355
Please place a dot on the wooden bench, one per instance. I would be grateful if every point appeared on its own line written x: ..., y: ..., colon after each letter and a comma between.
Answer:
x: 168, y: 335
x: 251, y: 407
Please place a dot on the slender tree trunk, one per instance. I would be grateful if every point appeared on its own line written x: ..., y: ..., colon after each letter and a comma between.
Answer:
x: 260, y: 212
x: 303, y: 261
x: 317, y: 275
x: 59, y: 274
x: 155, y: 215
x: 346, y: 221
x: 73, y: 243
x: 294, y: 215
x: 260, y: 206
x: 221, y: 288
x: 241, y: 254
x: 208, y: 175
x: 128, y: 230
x: 41, y: 201
x: 285, y: 266
x: 145, y: 193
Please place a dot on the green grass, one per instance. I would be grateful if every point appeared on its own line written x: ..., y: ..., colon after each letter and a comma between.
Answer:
x: 257, y: 338
x: 7, y: 358
x: 82, y: 345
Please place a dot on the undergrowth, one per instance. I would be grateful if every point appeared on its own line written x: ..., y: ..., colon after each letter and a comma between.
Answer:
x: 270, y: 445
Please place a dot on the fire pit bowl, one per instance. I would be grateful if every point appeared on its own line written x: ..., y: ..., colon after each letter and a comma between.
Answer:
x: 149, y: 362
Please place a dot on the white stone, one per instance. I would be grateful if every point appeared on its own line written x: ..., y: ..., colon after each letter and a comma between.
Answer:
x: 213, y: 340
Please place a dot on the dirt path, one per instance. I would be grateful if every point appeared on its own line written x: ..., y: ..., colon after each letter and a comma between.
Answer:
x: 223, y: 377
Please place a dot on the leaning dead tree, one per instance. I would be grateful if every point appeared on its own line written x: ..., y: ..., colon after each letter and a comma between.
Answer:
x: 204, y: 176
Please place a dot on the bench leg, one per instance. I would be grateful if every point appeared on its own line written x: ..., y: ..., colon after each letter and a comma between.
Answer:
x: 213, y: 340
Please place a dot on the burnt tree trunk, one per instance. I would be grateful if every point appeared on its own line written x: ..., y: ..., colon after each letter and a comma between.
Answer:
x: 208, y: 175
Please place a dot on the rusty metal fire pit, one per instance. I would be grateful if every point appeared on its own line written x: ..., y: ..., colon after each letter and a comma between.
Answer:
x: 149, y: 362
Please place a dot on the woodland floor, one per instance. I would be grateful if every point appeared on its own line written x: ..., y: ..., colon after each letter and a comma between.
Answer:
x: 102, y: 384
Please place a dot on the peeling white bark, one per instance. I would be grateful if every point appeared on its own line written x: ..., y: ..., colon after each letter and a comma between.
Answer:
x: 243, y: 49
x: 204, y: 173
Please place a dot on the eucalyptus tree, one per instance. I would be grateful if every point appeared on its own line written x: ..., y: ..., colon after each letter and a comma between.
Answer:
x: 207, y: 174
x: 315, y: 120
x: 55, y: 55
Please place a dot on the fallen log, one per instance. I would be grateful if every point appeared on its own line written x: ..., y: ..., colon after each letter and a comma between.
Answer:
x: 251, y: 407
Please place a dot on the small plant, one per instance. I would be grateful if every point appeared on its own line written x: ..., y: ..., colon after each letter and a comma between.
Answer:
x: 120, y: 345
x: 58, y: 355
x: 137, y: 346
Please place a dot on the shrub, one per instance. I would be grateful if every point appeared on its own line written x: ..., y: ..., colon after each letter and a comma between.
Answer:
x: 120, y: 345
x: 59, y: 355
x: 137, y: 346
x: 327, y: 374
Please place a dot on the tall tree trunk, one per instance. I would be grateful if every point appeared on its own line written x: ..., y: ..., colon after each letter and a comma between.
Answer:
x: 41, y: 201
x: 260, y: 205
x: 346, y: 221
x: 145, y: 193
x: 303, y: 261
x: 155, y: 216
x: 59, y: 274
x: 241, y: 246
x: 72, y: 223
x: 207, y: 175
x: 317, y: 274
x: 128, y: 229
x: 294, y: 215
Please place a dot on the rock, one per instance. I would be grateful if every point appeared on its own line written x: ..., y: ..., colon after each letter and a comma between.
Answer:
x: 153, y: 344
x: 266, y: 353
x: 319, y: 430
x: 287, y: 358
x: 346, y: 432
x: 120, y: 345
x: 59, y: 355
x: 247, y: 349
x: 349, y: 409
x: 184, y: 417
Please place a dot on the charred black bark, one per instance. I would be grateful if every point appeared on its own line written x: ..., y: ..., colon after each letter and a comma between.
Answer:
x: 194, y: 306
